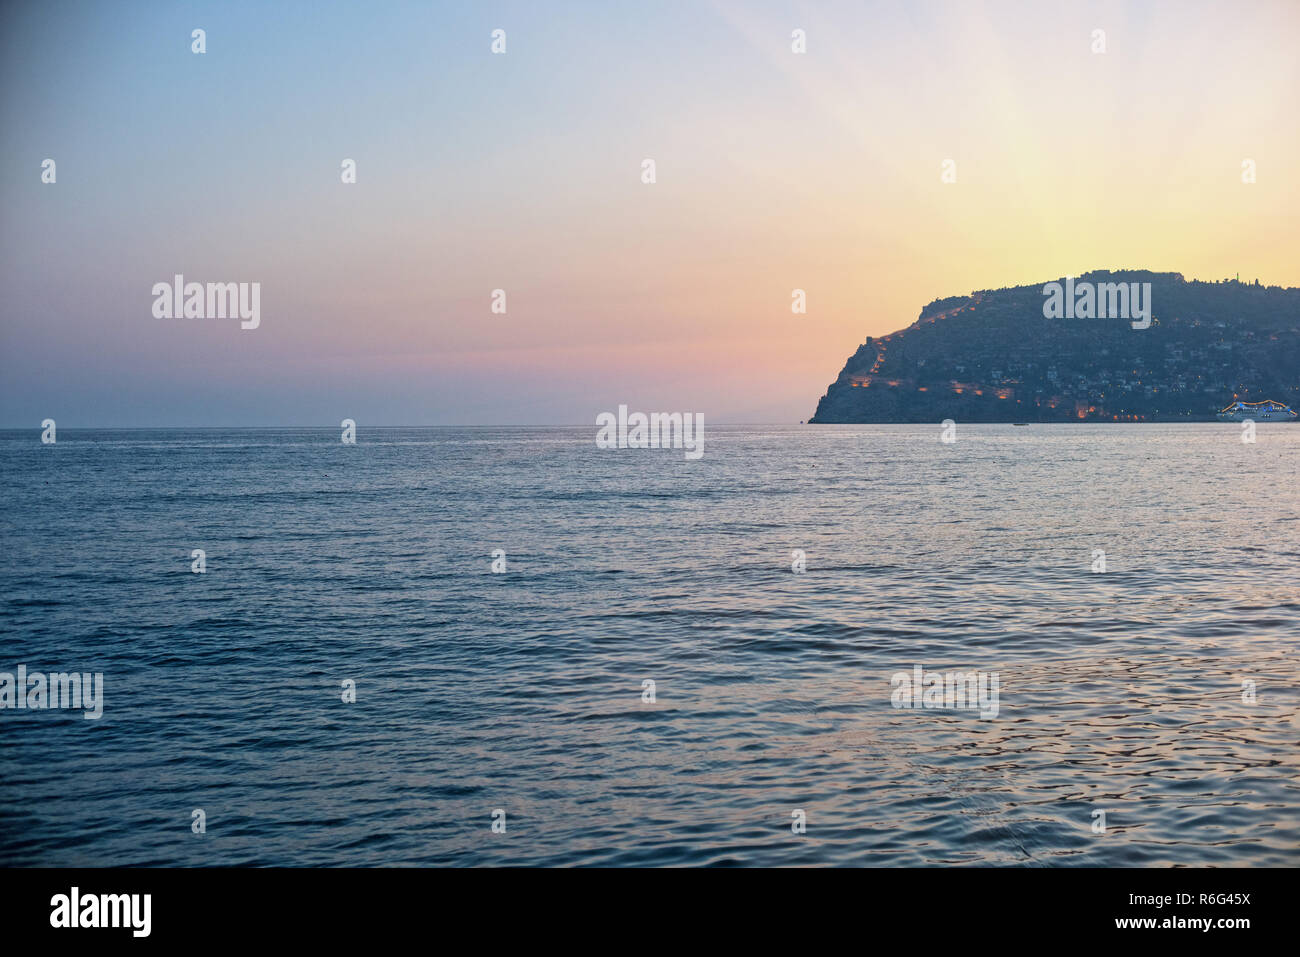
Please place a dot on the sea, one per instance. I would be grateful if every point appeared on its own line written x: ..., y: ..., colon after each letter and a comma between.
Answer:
x: 507, y: 646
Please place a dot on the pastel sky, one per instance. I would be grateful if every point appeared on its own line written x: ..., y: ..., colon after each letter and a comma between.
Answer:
x: 522, y: 171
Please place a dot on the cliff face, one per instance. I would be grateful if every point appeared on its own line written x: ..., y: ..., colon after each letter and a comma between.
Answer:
x: 993, y: 356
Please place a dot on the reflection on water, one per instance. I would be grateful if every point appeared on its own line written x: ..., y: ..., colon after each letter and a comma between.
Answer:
x: 1121, y: 691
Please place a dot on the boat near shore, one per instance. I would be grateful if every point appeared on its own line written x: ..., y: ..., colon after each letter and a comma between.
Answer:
x: 1266, y: 411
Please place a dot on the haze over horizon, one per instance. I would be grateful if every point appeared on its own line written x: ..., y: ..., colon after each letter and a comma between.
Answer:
x: 775, y: 171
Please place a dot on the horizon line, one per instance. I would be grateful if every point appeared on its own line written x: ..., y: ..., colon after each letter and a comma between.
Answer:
x: 570, y: 425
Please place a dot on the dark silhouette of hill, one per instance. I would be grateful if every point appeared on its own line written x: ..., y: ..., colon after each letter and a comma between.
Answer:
x: 992, y: 356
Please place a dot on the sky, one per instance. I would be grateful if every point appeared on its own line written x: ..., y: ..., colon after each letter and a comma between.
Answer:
x: 522, y: 171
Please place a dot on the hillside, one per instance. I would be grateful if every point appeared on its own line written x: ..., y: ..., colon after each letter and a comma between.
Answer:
x: 993, y: 356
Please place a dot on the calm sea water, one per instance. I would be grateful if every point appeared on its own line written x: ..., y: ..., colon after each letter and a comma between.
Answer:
x: 1119, y: 691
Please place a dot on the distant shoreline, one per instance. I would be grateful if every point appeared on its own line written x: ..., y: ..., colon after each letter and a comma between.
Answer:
x: 20, y: 430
